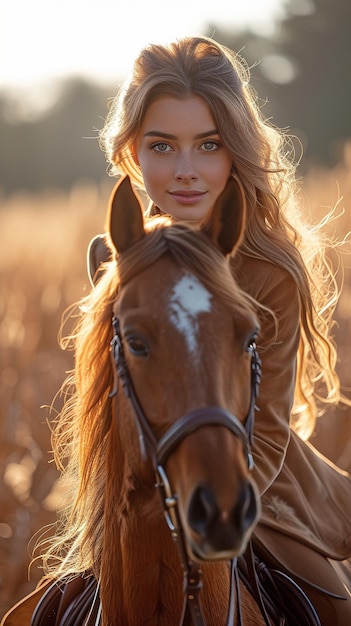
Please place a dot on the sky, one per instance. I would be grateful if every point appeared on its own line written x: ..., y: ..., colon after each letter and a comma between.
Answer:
x: 42, y: 40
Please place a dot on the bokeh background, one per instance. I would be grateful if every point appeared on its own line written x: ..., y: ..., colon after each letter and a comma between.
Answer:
x: 60, y: 63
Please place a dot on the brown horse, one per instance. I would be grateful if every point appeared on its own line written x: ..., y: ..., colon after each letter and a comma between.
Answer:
x: 187, y: 334
x: 169, y: 409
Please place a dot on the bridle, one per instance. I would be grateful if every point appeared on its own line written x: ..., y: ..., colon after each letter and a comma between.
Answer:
x: 160, y: 450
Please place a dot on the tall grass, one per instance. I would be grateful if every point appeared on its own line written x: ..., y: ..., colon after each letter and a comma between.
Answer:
x: 43, y: 242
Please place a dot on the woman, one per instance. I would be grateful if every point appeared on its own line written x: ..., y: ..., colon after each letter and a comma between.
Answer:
x: 185, y: 122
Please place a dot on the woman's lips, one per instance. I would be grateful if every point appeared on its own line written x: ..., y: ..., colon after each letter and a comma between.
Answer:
x: 187, y: 197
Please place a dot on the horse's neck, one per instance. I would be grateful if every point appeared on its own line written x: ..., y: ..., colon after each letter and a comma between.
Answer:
x: 153, y: 577
x: 141, y: 577
x: 146, y: 578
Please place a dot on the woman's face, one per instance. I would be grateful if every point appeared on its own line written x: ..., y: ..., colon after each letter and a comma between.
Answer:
x: 183, y: 160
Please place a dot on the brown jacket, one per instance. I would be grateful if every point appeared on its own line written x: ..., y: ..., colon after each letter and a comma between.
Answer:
x: 305, y: 498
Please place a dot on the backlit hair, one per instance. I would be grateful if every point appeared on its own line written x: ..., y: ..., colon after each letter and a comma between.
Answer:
x: 85, y: 440
x: 275, y: 230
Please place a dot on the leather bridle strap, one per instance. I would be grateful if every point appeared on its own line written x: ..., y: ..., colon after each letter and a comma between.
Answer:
x: 209, y: 416
x: 234, y: 595
x: 255, y: 386
x: 147, y: 439
x: 254, y: 583
x: 192, y: 580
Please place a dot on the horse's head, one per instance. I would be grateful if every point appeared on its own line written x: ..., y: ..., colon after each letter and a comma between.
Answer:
x: 183, y: 345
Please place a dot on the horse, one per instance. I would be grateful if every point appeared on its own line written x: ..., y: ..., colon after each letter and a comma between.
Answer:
x: 183, y: 342
x: 169, y: 371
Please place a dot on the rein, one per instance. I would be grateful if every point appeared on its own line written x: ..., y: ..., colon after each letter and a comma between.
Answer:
x: 159, y: 451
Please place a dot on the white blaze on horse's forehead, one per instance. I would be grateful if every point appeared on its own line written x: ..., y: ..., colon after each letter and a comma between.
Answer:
x: 188, y: 299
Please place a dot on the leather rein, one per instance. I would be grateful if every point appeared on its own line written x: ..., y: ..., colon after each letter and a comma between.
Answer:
x: 159, y: 451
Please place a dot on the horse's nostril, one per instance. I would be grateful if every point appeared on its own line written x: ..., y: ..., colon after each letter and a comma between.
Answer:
x: 206, y: 518
x: 202, y: 510
x: 245, y: 510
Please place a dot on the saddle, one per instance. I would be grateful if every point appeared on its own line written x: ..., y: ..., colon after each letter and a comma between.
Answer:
x: 280, y: 598
x: 74, y: 602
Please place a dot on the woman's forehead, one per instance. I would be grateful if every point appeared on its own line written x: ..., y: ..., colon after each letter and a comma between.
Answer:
x: 169, y: 115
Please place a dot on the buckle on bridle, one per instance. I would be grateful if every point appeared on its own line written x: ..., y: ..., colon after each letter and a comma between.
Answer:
x: 169, y: 500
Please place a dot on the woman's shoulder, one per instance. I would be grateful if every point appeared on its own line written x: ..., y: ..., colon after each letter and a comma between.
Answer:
x: 259, y: 277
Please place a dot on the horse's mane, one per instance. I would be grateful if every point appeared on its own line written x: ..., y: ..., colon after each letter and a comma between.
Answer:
x: 84, y: 436
x: 191, y: 249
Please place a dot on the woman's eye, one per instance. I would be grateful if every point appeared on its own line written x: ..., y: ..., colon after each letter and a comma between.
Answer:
x: 160, y: 147
x: 210, y: 146
x: 136, y: 346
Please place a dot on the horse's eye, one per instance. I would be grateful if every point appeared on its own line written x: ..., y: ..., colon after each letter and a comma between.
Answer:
x: 136, y: 346
x: 251, y: 344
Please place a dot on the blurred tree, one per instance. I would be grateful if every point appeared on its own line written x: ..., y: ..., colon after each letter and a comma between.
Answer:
x: 302, y: 70
x: 316, y: 38
x: 58, y: 147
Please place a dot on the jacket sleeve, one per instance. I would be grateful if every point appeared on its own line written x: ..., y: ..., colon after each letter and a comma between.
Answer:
x: 278, y: 344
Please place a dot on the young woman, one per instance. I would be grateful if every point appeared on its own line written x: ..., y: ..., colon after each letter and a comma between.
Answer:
x: 185, y: 122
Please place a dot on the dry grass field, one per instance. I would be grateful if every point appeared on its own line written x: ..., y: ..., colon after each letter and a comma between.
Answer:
x: 43, y: 242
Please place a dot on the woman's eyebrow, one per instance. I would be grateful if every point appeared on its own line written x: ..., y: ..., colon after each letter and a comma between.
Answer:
x: 157, y: 133
x: 208, y: 133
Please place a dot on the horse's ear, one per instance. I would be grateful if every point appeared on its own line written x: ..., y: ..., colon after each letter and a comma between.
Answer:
x: 225, y: 224
x: 125, y: 216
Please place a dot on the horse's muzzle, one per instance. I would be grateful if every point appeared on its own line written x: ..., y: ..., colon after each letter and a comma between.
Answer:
x: 216, y: 534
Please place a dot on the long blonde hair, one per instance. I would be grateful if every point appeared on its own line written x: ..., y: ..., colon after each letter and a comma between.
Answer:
x: 85, y: 439
x: 275, y: 230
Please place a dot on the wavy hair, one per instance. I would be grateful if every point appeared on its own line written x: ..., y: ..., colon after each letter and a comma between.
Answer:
x: 276, y: 230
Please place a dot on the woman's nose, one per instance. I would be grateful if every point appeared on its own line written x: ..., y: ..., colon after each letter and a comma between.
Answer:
x: 185, y: 167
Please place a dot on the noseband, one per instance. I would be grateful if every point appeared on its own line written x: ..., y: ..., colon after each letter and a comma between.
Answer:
x: 160, y: 450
